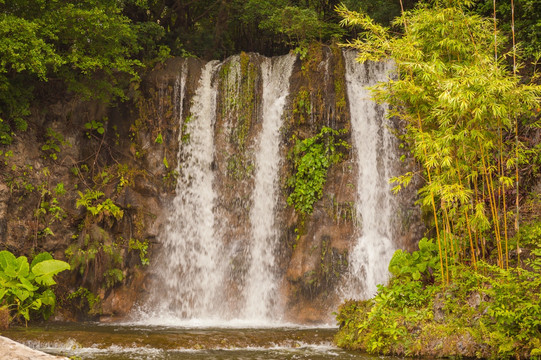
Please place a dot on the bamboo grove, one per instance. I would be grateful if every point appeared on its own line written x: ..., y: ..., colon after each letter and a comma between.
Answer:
x: 464, y: 110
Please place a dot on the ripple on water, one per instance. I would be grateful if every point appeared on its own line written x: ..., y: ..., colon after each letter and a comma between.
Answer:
x: 136, y: 341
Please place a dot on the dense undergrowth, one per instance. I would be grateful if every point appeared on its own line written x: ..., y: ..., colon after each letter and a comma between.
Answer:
x: 488, y: 313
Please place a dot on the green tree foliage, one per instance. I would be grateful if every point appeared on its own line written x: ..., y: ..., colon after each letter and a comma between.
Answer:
x: 382, y: 11
x: 294, y: 25
x: 96, y: 47
x: 219, y: 28
x: 461, y: 107
x: 81, y: 44
x: 26, y: 288
x: 527, y: 22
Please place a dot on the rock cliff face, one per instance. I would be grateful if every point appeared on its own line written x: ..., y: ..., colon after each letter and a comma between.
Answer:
x: 94, y: 184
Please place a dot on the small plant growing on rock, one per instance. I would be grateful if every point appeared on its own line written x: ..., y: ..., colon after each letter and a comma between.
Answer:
x: 312, y: 157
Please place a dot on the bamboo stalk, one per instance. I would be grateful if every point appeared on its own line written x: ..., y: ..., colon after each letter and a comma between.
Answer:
x: 402, y: 12
x: 493, y: 207
x: 517, y: 199
x: 496, y: 219
x: 446, y: 252
x: 433, y: 205
x: 449, y: 232
x: 478, y: 238
x: 472, y: 250
x: 501, y: 191
x: 505, y: 229
x: 495, y: 35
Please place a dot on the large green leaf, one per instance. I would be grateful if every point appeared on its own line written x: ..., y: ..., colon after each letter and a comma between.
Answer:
x: 27, y: 284
x: 4, y: 278
x: 3, y: 292
x: 36, y: 304
x: 22, y: 267
x: 21, y: 294
x: 45, y: 271
x: 24, y: 312
x: 48, y: 298
x: 15, y: 268
x: 41, y: 257
x: 7, y: 259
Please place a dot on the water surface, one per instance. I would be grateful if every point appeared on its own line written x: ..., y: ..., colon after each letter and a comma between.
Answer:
x: 123, y: 342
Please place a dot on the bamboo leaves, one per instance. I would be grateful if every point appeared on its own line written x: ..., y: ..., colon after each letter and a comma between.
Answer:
x: 459, y: 104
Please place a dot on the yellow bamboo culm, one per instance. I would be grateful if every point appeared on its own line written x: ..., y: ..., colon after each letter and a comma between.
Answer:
x: 433, y: 207
x: 493, y: 206
x: 472, y: 250
x: 501, y: 192
x: 496, y: 220
x: 495, y: 35
x: 449, y: 235
x: 445, y: 233
x: 402, y: 12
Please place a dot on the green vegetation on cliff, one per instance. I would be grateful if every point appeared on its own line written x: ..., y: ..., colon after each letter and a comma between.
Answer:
x: 311, y: 159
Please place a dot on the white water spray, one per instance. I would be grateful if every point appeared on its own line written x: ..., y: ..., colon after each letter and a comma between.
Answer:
x: 197, y: 265
x: 262, y: 284
x: 191, y: 266
x: 195, y: 261
x: 375, y: 149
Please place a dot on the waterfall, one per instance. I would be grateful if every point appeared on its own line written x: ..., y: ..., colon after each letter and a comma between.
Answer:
x: 224, y: 238
x: 191, y: 267
x: 374, y: 148
x: 197, y: 263
x: 261, y: 287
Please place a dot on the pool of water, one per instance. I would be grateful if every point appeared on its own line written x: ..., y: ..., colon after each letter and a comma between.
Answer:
x: 125, y: 341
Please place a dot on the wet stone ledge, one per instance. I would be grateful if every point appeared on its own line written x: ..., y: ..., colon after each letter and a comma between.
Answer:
x: 12, y: 350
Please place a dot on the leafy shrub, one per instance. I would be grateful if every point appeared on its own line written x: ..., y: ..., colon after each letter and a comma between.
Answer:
x: 496, y: 311
x: 418, y: 265
x: 530, y: 238
x: 26, y: 288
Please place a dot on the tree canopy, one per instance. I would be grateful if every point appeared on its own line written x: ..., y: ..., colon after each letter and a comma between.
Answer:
x: 95, y: 47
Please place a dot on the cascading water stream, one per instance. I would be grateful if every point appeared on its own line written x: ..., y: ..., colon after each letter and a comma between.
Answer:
x: 217, y: 269
x: 196, y: 261
x: 375, y: 148
x: 262, y: 285
x: 191, y: 269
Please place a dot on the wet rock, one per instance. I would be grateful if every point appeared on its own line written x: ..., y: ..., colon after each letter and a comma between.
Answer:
x: 12, y: 350
x: 437, y: 309
x: 4, y: 197
x: 474, y: 300
x: 145, y: 186
x: 120, y: 300
x: 4, y: 318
